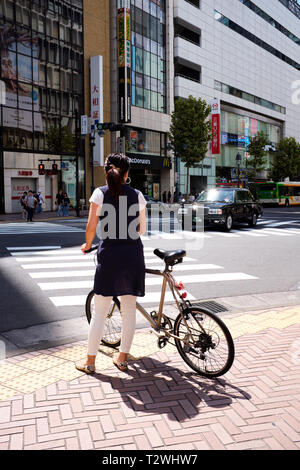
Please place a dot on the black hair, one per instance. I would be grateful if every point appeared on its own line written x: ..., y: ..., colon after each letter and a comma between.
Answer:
x: 116, y: 166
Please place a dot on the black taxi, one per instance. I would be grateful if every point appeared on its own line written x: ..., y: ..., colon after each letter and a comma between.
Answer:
x: 223, y: 207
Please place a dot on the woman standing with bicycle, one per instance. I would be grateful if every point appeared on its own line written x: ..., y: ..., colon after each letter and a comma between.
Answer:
x: 121, y: 266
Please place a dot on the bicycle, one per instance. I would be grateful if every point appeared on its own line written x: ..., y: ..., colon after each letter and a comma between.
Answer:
x: 201, y: 338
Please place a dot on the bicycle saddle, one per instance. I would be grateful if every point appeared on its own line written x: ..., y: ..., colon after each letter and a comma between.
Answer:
x: 170, y: 257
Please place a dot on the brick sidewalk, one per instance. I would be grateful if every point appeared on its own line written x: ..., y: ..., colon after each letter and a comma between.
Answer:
x: 45, y: 403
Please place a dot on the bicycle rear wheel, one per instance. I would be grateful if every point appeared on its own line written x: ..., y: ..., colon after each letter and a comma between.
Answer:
x: 113, y: 324
x: 206, y: 344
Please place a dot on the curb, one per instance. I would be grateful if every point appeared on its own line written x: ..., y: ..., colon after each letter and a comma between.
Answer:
x: 61, y: 332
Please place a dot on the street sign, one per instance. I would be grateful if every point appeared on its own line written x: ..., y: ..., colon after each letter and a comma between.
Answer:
x: 84, y: 125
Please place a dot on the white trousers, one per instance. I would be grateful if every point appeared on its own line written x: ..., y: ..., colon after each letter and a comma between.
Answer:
x: 97, y: 324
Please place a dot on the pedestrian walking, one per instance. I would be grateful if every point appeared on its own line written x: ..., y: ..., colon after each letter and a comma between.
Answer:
x: 66, y: 203
x: 30, y: 201
x: 23, y: 204
x: 39, y: 209
x: 121, y: 264
x: 59, y: 202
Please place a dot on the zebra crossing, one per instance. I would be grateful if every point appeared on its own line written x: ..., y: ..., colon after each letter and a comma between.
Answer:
x: 61, y: 274
x: 265, y: 228
x: 36, y: 228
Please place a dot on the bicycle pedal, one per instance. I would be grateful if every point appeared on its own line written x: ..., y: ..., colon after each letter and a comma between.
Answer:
x: 159, y: 334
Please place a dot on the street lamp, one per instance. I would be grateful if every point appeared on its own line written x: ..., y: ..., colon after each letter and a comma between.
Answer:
x: 238, y: 159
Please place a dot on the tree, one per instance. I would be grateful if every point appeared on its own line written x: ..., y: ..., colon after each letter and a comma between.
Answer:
x: 286, y: 161
x: 256, y: 149
x: 60, y: 142
x: 190, y: 131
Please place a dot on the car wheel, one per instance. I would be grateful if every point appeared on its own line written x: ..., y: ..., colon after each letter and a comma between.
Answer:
x: 228, y: 223
x: 253, y: 220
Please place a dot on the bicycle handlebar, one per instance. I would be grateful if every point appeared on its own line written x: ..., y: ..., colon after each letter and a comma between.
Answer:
x: 93, y: 248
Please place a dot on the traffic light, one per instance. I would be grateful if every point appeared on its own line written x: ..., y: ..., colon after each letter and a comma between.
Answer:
x: 54, y: 169
x: 92, y: 141
x: 41, y: 169
x: 108, y: 126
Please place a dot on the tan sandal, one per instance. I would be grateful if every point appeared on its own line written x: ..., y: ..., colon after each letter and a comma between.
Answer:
x: 123, y: 366
x: 88, y: 369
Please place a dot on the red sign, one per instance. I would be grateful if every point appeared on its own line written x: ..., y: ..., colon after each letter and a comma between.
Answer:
x: 25, y: 173
x: 216, y: 126
x: 216, y: 130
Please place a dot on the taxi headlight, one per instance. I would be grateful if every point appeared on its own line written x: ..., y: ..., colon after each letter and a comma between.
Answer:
x: 215, y: 211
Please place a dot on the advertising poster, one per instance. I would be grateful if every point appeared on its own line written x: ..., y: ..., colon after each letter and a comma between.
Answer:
x: 19, y: 72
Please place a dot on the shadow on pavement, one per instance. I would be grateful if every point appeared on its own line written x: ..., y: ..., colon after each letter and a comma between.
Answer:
x: 171, y: 390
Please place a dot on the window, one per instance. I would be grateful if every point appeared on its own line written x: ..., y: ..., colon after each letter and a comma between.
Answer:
x: 256, y: 40
x: 148, y: 55
x: 247, y: 96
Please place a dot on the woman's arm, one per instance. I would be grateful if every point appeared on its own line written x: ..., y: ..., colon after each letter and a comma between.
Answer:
x: 91, y: 227
x: 142, y: 222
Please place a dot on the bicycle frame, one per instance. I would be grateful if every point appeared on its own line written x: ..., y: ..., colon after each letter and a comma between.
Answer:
x: 166, y: 280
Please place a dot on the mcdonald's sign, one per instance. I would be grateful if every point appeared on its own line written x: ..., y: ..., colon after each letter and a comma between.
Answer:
x: 167, y: 162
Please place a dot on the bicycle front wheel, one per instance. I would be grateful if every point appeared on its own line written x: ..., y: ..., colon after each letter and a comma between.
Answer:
x: 205, y: 342
x: 113, y: 323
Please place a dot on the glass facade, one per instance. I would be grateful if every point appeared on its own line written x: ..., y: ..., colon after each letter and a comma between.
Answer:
x: 148, y: 54
x: 41, y: 47
x: 236, y: 131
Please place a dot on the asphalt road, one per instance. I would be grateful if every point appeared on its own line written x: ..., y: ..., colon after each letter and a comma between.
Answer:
x: 246, y: 261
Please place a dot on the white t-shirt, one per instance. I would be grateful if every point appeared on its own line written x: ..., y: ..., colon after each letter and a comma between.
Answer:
x: 98, y: 196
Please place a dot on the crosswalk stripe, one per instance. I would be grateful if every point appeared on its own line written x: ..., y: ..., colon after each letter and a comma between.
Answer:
x: 20, y: 248
x: 153, y: 281
x: 53, y: 258
x: 285, y: 230
x: 232, y: 234
x: 79, y: 300
x: 91, y: 273
x: 287, y: 222
x: 62, y: 274
x: 276, y: 231
x: 36, y: 227
x: 62, y: 257
x: 79, y: 264
x: 253, y: 233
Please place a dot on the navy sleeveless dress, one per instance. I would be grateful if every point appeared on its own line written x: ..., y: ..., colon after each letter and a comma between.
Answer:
x: 121, y: 264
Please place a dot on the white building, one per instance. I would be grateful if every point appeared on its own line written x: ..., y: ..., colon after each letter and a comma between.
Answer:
x: 247, y: 54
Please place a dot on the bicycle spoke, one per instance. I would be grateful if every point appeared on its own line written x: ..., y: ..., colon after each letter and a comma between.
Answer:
x: 204, y: 343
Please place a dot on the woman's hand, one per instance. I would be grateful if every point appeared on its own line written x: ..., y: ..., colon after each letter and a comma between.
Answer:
x: 85, y: 247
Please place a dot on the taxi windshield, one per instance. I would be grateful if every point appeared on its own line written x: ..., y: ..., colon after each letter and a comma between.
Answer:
x: 216, y: 195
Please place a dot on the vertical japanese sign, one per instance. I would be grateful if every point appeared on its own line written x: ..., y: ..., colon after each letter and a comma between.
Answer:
x: 96, y: 66
x: 124, y: 60
x: 216, y: 127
